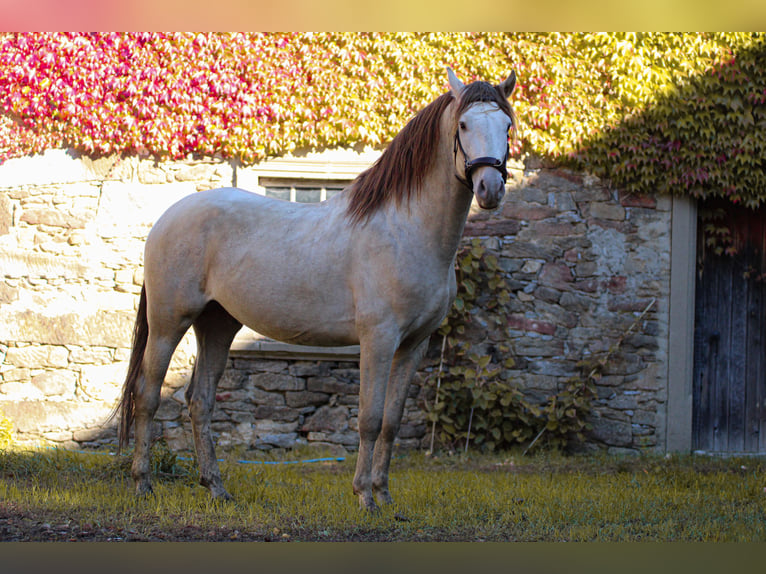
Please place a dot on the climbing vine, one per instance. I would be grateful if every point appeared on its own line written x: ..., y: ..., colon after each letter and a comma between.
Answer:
x: 475, y: 402
x: 677, y: 113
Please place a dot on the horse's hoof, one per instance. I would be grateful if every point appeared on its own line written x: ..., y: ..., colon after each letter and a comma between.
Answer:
x: 144, y: 490
x: 384, y: 497
x: 367, y: 502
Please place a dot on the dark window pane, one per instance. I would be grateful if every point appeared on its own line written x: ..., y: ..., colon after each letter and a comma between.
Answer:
x: 278, y: 192
x: 308, y: 195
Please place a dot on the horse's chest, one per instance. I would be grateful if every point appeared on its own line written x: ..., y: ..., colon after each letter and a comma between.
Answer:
x: 426, y: 307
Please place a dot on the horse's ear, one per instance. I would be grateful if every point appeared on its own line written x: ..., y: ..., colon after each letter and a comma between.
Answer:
x: 456, y: 86
x: 508, y: 85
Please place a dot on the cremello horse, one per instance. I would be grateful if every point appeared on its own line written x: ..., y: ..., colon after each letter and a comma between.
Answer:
x: 372, y: 266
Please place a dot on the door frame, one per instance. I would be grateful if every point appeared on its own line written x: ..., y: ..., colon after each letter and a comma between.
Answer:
x: 683, y: 257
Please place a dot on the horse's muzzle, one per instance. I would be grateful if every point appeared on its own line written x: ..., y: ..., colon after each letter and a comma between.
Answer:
x: 488, y: 187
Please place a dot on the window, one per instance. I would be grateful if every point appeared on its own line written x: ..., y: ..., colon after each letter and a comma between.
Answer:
x: 301, y: 190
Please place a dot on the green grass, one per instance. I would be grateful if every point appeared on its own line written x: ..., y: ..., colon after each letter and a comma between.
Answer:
x: 54, y: 494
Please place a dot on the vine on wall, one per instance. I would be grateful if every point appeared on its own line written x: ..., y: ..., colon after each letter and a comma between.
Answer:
x: 474, y: 400
x: 680, y: 113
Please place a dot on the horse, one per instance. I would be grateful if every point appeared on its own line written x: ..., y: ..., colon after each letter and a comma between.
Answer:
x: 371, y: 266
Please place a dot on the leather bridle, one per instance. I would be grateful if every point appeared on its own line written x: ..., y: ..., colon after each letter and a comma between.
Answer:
x: 472, y: 164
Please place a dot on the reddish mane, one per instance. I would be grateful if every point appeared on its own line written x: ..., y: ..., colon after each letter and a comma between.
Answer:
x: 400, y: 170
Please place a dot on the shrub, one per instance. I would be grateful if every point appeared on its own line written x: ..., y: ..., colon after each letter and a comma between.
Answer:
x: 7, y: 435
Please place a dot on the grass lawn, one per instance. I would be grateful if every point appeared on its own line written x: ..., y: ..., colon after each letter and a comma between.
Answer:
x: 61, y: 495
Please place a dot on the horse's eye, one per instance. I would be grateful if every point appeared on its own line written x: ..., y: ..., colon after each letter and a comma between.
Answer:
x: 462, y: 126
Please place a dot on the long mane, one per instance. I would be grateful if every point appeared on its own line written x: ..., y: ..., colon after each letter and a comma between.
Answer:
x: 399, y: 172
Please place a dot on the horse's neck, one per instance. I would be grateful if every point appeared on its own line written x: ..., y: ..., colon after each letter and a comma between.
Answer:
x: 441, y: 209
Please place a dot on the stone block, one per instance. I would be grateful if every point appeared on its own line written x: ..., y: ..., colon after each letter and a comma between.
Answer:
x: 548, y: 294
x: 544, y: 229
x: 347, y: 438
x: 491, y: 228
x: 276, y: 413
x: 101, y: 328
x: 53, y: 218
x: 557, y: 275
x: 628, y: 199
x: 38, y: 356
x: 287, y: 440
x: 151, y: 174
x: 90, y: 355
x: 6, y: 214
x: 178, y: 438
x: 103, y: 382
x: 56, y: 383
x: 327, y: 419
x: 268, y: 426
x: 538, y: 347
x: 240, y: 417
x: 347, y: 374
x: 277, y: 382
x: 233, y: 379
x: 8, y: 294
x: 92, y: 434
x: 612, y: 432
x: 552, y: 367
x: 261, y: 365
x: 531, y: 266
x: 595, y: 193
x: 609, y: 211
x: 20, y: 391
x: 169, y: 410
x: 309, y: 369
x: 35, y: 417
x: 562, y: 201
x: 261, y: 397
x: 411, y: 431
x: 575, y: 302
x: 15, y: 374
x: 623, y: 402
x: 305, y: 398
x: 198, y: 172
x: 533, y: 194
x: 331, y: 385
x: 522, y: 323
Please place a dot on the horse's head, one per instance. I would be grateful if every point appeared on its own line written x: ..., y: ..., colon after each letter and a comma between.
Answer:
x: 484, y: 119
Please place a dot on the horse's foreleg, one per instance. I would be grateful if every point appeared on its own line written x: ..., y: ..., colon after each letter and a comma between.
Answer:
x: 215, y: 329
x: 159, y: 351
x: 404, y: 365
x: 375, y: 368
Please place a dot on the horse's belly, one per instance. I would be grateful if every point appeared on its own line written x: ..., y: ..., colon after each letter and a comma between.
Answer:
x: 305, y: 324
x: 316, y: 335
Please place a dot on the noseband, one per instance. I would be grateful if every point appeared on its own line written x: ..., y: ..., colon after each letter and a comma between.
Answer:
x: 472, y: 164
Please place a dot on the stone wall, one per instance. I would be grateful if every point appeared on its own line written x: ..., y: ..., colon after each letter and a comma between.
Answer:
x: 583, y: 261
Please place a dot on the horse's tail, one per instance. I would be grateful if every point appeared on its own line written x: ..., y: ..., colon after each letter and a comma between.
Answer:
x: 127, y: 404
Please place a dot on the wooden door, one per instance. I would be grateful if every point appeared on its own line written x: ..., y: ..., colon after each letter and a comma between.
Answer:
x: 729, y: 393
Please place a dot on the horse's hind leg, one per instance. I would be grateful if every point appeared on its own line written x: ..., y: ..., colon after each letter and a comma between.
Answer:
x: 159, y: 352
x: 215, y: 330
x: 404, y: 365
